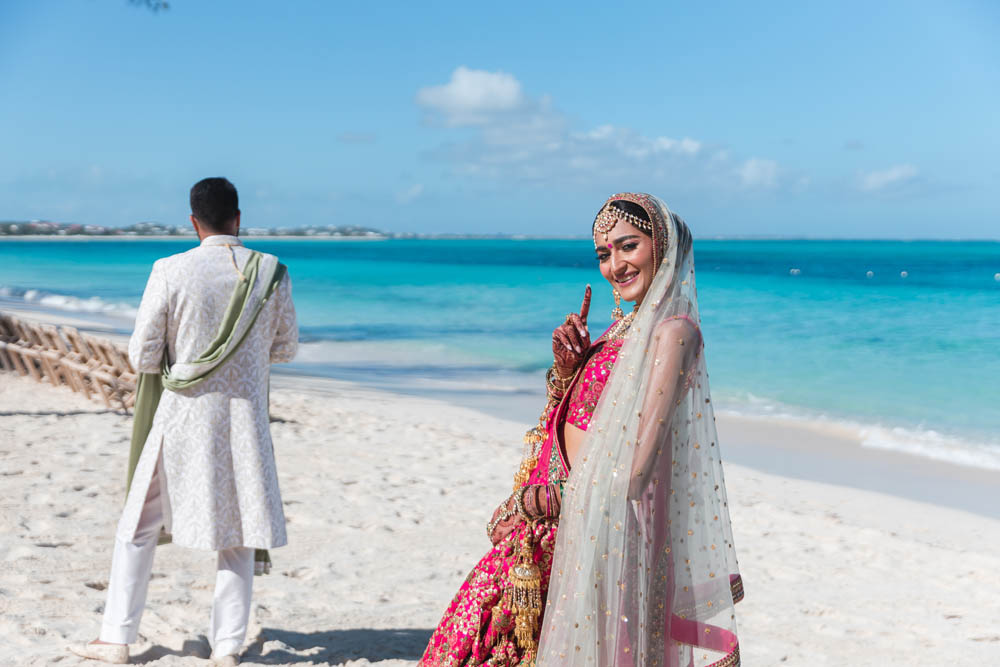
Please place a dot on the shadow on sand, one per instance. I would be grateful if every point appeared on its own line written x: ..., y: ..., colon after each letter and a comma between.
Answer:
x: 197, y: 647
x: 60, y: 413
x: 282, y: 647
x: 275, y: 646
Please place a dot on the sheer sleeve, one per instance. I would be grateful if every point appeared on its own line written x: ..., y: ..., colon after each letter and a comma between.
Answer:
x: 644, y: 569
x: 149, y: 338
x: 676, y: 345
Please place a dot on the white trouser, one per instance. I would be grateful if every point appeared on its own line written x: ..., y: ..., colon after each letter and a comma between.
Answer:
x: 132, y: 565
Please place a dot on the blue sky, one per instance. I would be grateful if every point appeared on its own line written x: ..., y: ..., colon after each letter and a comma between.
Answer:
x: 846, y: 119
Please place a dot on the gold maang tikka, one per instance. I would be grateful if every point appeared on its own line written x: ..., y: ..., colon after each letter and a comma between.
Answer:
x: 612, y: 215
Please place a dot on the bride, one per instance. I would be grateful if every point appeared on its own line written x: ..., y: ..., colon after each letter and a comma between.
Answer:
x: 631, y: 552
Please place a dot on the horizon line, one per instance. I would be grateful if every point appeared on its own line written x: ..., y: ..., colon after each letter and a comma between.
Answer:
x: 444, y: 236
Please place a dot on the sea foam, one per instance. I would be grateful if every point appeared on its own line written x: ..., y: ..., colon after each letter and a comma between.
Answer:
x: 67, y: 303
x: 965, y: 450
x: 931, y: 444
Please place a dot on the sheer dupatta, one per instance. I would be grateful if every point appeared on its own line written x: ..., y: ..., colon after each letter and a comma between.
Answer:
x: 645, y: 571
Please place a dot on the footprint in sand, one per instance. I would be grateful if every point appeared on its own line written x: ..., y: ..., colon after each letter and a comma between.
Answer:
x: 298, y: 573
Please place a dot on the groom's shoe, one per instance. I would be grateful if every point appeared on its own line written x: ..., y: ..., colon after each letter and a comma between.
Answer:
x: 116, y: 654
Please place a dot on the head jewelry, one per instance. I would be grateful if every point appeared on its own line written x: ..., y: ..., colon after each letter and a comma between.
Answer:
x: 609, y: 216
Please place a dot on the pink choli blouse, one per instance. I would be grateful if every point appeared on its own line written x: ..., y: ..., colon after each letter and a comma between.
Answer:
x: 586, y: 392
x: 576, y: 409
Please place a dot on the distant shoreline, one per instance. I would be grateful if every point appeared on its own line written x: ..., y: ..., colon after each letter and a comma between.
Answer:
x: 471, y: 237
x: 86, y: 237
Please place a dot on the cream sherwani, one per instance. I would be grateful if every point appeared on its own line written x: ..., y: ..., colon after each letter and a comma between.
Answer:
x: 206, y: 473
x: 219, y: 486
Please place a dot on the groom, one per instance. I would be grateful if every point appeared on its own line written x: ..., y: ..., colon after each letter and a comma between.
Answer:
x: 211, y: 322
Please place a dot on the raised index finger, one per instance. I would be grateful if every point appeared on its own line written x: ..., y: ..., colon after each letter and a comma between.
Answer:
x: 585, y: 306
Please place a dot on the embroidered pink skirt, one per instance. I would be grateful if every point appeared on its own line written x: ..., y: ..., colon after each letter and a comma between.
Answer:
x: 478, y: 626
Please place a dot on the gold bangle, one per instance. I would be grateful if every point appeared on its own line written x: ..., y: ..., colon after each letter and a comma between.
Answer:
x: 555, y: 374
x: 519, y: 502
x: 491, y: 526
x: 557, y: 382
x: 550, y: 382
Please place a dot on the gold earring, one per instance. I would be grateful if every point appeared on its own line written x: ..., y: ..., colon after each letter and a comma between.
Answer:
x: 617, y: 313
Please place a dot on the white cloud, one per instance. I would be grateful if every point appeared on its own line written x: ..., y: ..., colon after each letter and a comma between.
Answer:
x: 410, y: 193
x: 523, y: 139
x: 685, y: 145
x: 878, y: 181
x: 472, y: 96
x: 635, y: 145
x: 602, y: 132
x: 756, y: 172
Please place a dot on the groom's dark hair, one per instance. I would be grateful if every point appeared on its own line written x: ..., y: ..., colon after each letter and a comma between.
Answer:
x: 214, y: 202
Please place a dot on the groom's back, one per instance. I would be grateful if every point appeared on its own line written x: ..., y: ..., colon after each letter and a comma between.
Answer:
x: 201, y: 283
x: 183, y: 313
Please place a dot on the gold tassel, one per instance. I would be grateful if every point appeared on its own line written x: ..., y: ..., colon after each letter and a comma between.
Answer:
x: 523, y: 474
x: 503, y: 619
x: 526, y: 582
x: 535, y: 437
x: 533, y: 441
x: 524, y: 596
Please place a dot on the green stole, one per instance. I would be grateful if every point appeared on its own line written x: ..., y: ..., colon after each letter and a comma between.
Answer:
x: 150, y: 386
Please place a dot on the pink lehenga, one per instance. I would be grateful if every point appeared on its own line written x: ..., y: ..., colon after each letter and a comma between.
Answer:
x: 642, y: 569
x: 486, y: 622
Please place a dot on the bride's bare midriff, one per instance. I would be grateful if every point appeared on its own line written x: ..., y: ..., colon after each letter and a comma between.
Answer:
x: 572, y: 438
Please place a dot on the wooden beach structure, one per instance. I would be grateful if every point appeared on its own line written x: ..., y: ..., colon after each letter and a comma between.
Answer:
x: 92, y: 366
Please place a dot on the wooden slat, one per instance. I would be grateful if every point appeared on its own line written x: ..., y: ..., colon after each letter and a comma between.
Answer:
x: 93, y: 366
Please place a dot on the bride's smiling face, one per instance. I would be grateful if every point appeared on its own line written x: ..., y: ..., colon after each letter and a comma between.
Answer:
x: 626, y: 260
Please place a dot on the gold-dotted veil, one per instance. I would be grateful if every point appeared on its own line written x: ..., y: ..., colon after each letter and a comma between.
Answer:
x: 645, y: 571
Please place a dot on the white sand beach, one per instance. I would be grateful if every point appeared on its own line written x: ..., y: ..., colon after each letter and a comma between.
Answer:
x: 387, y: 497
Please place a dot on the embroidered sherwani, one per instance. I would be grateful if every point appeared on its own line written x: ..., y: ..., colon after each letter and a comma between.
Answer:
x: 219, y: 483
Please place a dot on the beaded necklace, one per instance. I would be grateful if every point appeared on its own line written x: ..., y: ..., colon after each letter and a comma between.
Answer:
x: 620, y: 328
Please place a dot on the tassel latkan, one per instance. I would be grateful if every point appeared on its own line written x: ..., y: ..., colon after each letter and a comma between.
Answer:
x: 533, y: 440
x: 526, y: 581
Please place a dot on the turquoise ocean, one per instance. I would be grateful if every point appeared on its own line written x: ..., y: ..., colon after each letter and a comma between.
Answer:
x: 900, y: 340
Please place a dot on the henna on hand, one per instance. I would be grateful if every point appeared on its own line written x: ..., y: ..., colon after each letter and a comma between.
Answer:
x: 503, y: 527
x: 571, y: 340
x: 542, y: 501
